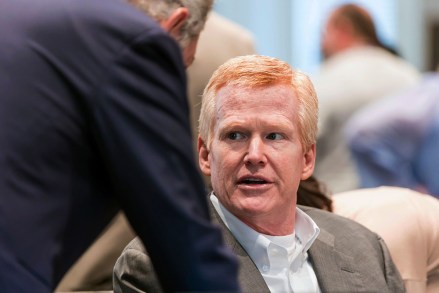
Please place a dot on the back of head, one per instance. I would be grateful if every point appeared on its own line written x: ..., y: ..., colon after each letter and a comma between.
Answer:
x: 349, y: 25
x: 161, y: 9
x: 261, y: 71
x: 361, y: 21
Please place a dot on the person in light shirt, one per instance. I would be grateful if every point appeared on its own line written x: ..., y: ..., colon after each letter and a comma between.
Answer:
x: 357, y: 71
x: 258, y: 124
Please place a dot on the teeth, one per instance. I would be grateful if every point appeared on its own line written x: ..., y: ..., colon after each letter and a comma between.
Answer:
x: 253, y: 180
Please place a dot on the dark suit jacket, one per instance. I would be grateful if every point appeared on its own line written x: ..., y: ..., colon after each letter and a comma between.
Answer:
x: 93, y: 111
x: 346, y: 257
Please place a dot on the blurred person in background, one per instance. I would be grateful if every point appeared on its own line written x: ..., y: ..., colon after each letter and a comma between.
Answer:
x: 395, y: 141
x: 220, y: 40
x: 407, y: 221
x: 357, y: 70
x: 93, y: 116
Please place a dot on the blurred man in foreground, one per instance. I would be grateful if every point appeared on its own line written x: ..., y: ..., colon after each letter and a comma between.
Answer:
x: 220, y: 40
x: 93, y: 112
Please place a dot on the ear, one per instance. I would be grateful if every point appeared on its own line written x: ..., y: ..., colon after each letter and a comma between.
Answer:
x: 203, y: 157
x: 309, y: 159
x: 175, y: 22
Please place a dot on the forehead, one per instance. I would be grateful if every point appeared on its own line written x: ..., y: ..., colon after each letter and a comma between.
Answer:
x: 279, y: 99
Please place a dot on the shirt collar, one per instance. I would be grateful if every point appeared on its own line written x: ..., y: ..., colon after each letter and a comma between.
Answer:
x: 256, y: 244
x: 306, y: 229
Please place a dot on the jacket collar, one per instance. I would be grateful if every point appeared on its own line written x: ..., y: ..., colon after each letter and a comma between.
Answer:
x: 250, y: 279
x: 335, y: 271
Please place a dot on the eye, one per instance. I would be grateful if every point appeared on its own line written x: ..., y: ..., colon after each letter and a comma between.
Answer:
x: 274, y: 136
x: 234, y: 135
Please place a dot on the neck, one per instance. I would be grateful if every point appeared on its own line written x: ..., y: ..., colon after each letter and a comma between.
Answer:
x: 274, y: 224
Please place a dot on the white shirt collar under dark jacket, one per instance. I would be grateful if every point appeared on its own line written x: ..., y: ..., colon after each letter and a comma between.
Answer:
x: 282, y: 260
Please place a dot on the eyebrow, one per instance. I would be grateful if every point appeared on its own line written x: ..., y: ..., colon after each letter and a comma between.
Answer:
x: 279, y: 126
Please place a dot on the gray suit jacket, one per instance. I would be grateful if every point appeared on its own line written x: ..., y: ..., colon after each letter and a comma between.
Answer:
x: 346, y: 257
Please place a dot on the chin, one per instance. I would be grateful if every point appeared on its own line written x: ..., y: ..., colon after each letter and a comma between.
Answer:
x: 254, y: 206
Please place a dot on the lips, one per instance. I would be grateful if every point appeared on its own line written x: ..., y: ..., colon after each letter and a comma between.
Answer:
x: 253, y: 180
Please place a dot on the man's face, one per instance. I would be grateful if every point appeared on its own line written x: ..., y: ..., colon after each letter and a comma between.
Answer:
x: 256, y: 159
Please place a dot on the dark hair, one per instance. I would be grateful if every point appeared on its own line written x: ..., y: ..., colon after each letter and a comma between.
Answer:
x: 360, y: 20
x: 363, y: 25
x: 312, y: 193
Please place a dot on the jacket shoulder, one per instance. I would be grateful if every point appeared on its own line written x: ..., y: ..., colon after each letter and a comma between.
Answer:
x: 331, y: 222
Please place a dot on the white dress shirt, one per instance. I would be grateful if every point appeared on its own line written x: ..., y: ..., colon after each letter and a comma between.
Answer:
x: 282, y: 260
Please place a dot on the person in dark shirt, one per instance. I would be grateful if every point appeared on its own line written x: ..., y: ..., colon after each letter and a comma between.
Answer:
x: 93, y: 117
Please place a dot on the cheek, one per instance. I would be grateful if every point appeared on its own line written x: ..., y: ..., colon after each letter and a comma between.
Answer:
x: 325, y: 45
x: 189, y: 53
x: 292, y: 168
x: 224, y: 167
x: 216, y: 167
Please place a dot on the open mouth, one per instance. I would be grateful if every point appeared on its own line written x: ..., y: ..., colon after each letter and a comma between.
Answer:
x: 251, y: 181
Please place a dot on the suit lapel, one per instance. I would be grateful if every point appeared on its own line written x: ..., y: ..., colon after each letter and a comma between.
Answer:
x: 250, y: 279
x: 335, y: 271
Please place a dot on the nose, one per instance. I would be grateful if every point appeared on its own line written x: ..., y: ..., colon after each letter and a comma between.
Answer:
x: 255, y: 153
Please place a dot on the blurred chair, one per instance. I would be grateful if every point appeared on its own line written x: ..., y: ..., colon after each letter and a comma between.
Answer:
x: 93, y: 271
x: 408, y: 222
